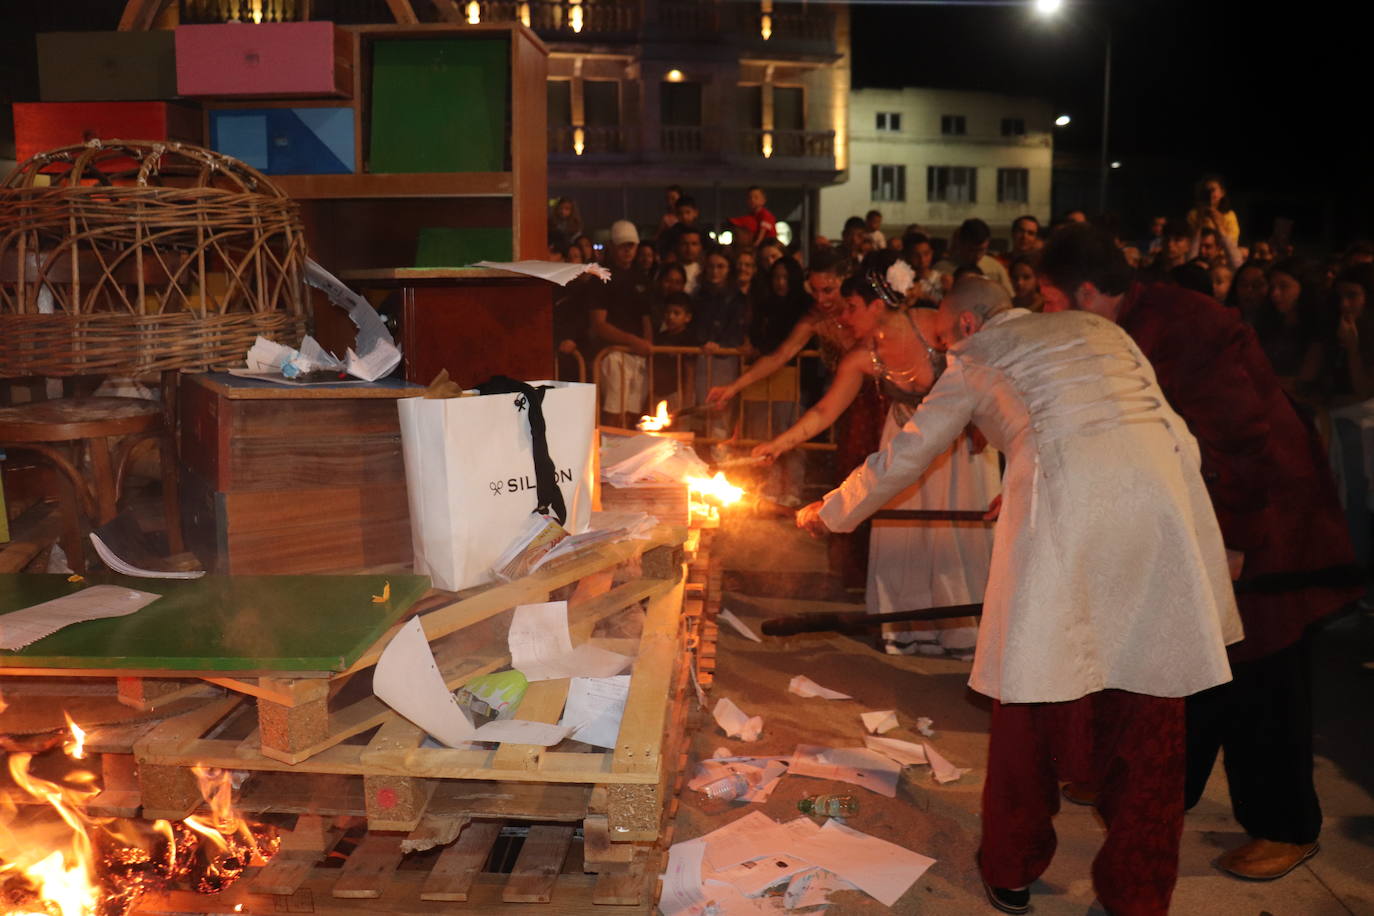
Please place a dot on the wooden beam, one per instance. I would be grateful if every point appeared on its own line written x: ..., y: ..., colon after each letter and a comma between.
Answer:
x: 402, y: 12
x: 449, y: 11
x: 139, y: 15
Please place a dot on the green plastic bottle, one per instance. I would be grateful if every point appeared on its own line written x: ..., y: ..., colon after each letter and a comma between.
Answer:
x: 829, y: 805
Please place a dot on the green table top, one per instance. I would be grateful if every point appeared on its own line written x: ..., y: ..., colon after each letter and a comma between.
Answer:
x: 218, y: 624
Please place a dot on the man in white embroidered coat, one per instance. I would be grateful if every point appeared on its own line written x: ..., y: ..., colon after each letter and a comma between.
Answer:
x: 1109, y: 598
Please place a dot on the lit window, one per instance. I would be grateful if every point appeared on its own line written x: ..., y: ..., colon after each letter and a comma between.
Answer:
x: 889, y: 182
x: 952, y: 184
x: 1013, y: 186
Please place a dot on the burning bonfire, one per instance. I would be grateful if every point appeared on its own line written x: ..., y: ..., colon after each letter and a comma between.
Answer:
x: 659, y: 421
x: 56, y: 859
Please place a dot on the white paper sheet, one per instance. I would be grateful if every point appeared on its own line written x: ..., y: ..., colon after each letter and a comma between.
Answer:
x: 904, y: 752
x: 941, y: 769
x: 803, y: 686
x: 743, y: 839
x: 855, y: 765
x: 926, y: 726
x: 735, y: 722
x: 812, y: 888
x: 554, y: 271
x: 755, y: 876
x: 682, y: 890
x: 880, y: 869
x: 374, y: 353
x: 112, y: 560
x: 28, y: 625
x: 408, y: 680
x: 541, y: 647
x: 595, y: 707
x: 739, y: 626
x: 879, y: 722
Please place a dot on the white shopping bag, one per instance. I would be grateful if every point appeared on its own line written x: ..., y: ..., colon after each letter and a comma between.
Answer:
x: 471, y: 473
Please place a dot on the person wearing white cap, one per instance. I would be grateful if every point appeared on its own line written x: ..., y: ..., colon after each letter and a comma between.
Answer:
x: 620, y: 317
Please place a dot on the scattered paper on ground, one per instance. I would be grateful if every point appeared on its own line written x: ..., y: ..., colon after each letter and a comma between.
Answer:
x: 757, y: 875
x: 926, y: 726
x: 880, y: 722
x: 595, y: 707
x: 20, y: 628
x: 682, y: 890
x: 942, y: 769
x: 763, y: 774
x: 541, y: 647
x: 735, y: 723
x: 855, y: 765
x: 407, y: 679
x: 803, y: 686
x: 739, y: 626
x: 744, y: 839
x: 880, y: 869
x: 904, y: 752
x: 813, y: 888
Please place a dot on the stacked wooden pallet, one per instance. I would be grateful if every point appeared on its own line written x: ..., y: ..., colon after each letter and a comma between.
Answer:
x: 326, y: 746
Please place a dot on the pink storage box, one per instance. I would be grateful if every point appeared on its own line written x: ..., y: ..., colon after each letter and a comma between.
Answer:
x: 291, y: 59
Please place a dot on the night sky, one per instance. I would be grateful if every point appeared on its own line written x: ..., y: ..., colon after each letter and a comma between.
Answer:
x: 1276, y: 103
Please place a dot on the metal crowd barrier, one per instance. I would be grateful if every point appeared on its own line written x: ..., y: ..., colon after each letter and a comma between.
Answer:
x: 756, y: 414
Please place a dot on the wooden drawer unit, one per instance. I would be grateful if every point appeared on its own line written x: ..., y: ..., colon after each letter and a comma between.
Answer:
x: 289, y: 480
x: 283, y: 59
x: 40, y: 126
x: 106, y: 66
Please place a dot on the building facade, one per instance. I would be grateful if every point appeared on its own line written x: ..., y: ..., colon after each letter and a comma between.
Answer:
x: 936, y: 157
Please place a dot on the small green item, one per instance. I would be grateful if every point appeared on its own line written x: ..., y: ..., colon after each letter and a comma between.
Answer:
x: 829, y: 805
x: 494, y: 696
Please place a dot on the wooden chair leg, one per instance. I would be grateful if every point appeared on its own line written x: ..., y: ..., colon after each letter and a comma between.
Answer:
x: 171, y: 491
x: 72, y: 539
x: 103, y: 482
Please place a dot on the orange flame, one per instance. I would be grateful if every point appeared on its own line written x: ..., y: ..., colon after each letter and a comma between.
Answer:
x: 76, y: 747
x: 63, y: 879
x: 660, y: 419
x: 706, y: 494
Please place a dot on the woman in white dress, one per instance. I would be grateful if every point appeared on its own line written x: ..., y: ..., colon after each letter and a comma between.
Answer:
x: 923, y: 564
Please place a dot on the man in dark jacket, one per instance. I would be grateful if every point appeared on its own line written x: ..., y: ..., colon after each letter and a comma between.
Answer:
x: 1285, y: 535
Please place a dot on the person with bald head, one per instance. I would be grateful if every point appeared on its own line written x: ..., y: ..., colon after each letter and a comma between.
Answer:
x: 1109, y: 598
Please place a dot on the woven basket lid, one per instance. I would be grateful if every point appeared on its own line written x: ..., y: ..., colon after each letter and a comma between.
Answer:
x: 139, y: 164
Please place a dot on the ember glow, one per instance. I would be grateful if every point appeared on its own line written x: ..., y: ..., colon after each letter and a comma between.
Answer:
x: 660, y: 420
x: 57, y: 859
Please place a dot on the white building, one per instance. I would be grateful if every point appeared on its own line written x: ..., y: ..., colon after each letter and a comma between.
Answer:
x: 937, y: 157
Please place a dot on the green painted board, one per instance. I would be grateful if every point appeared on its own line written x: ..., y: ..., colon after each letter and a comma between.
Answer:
x: 441, y: 246
x: 439, y: 105
x: 221, y: 624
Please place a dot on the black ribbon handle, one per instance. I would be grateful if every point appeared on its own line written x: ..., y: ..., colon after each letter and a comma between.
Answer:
x: 545, y: 475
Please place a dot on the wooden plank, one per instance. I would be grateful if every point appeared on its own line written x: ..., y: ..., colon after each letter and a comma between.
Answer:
x: 642, y: 726
x: 300, y: 850
x: 402, y: 12
x: 369, y: 868
x: 538, y: 865
x: 543, y: 702
x: 138, y: 15
x: 535, y: 588
x: 452, y: 876
x: 621, y: 888
x: 449, y: 11
x: 33, y: 531
x: 435, y: 830
x: 396, y: 802
x: 597, y: 847
x: 119, y: 793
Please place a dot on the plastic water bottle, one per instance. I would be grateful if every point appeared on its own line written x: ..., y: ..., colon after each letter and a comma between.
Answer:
x: 829, y: 805
x: 727, y: 788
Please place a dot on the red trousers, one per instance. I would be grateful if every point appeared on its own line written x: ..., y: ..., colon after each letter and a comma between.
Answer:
x: 1129, y: 745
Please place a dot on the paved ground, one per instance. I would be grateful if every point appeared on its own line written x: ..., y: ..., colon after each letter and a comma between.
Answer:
x: 942, y: 821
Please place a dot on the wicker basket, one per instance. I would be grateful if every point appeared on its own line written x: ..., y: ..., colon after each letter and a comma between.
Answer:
x: 136, y: 256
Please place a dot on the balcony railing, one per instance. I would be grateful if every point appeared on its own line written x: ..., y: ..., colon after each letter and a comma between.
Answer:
x: 563, y: 21
x: 787, y: 144
x: 596, y: 141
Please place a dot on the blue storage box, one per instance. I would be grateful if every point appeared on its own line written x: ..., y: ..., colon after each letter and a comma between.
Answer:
x: 287, y: 141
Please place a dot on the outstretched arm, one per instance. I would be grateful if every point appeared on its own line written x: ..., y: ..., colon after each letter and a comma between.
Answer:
x: 939, y: 420
x: 765, y: 366
x: 841, y: 393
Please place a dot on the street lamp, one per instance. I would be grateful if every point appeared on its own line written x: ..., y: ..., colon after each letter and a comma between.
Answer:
x: 1063, y: 121
x: 1049, y: 8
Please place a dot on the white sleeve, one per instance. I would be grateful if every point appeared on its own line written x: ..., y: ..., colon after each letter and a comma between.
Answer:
x: 931, y: 430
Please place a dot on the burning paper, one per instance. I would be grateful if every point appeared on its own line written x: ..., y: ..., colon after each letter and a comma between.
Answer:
x: 881, y: 722
x: 735, y: 723
x: 803, y: 686
x: 660, y: 419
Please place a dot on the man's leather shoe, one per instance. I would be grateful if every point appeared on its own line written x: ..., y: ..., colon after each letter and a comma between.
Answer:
x: 1265, y: 860
x: 1080, y: 793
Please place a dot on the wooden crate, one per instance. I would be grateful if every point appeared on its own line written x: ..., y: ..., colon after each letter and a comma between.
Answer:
x: 285, y: 480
